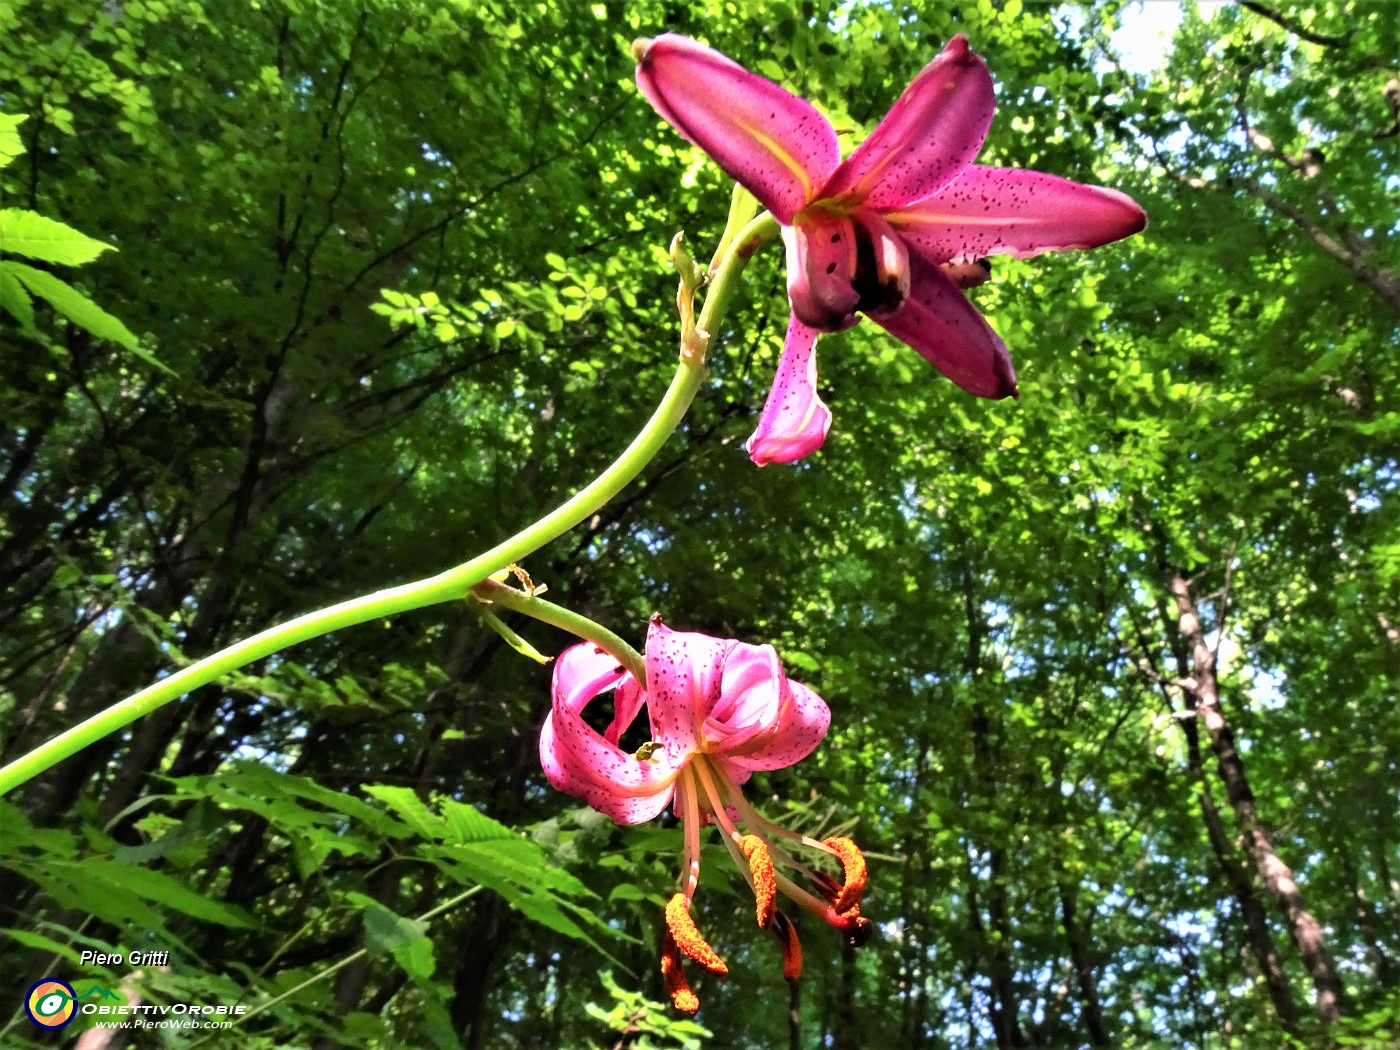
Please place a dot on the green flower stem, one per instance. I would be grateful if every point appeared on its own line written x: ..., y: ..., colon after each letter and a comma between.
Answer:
x: 447, y: 586
x: 557, y: 616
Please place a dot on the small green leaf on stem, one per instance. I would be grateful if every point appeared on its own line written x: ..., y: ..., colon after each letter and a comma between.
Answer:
x: 491, y: 620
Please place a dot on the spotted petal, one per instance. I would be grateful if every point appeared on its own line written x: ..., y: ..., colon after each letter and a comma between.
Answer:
x: 684, y: 677
x: 939, y: 322
x: 929, y: 136
x: 795, y: 420
x: 579, y: 761
x: 772, y: 142
x: 797, y: 726
x: 1010, y: 211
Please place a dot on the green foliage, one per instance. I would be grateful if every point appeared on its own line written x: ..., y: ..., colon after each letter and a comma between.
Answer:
x: 640, y: 1022
x: 34, y: 236
x: 25, y: 233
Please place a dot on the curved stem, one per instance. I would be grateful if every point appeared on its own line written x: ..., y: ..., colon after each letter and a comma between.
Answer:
x: 566, y: 620
x: 446, y: 586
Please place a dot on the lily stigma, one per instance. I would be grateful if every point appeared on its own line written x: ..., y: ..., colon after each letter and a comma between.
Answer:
x: 719, y: 710
x: 896, y: 231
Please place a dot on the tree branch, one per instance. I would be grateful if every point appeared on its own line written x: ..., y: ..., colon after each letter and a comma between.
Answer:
x: 1280, y: 19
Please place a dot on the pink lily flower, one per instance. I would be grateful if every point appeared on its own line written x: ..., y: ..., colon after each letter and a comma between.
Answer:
x: 719, y: 710
x: 894, y: 232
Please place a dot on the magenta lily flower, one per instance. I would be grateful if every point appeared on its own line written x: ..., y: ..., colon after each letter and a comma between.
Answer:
x: 894, y: 232
x: 719, y: 711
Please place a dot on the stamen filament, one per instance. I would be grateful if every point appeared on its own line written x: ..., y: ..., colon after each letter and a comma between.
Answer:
x: 690, y: 821
x: 716, y: 798
x: 729, y: 834
x: 754, y: 818
x: 719, y: 792
x: 820, y: 908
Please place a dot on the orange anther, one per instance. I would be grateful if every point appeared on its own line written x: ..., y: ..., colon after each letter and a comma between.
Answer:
x: 765, y: 882
x: 853, y: 864
x: 786, y: 933
x: 684, y: 999
x: 688, y: 937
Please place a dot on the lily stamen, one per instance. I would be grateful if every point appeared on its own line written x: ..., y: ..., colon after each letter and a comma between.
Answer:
x: 786, y: 933
x: 683, y: 998
x: 853, y: 867
x: 765, y: 885
x: 688, y: 938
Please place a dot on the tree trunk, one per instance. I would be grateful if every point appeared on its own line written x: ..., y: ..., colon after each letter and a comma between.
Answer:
x: 1076, y: 936
x: 846, y: 1035
x: 794, y: 1017
x: 1005, y: 1004
x: 1302, y: 926
x: 1364, y: 914
x: 1252, y: 914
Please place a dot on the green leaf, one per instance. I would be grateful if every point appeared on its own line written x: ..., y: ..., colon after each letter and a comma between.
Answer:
x: 468, y: 824
x: 404, y: 938
x: 40, y: 943
x: 795, y: 658
x: 169, y: 893
x: 38, y: 237
x: 417, y: 958
x: 16, y: 300
x: 404, y: 803
x: 519, y: 644
x: 10, y: 144
x: 81, y: 310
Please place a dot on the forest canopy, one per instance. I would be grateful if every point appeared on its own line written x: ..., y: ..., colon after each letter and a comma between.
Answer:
x: 301, y: 301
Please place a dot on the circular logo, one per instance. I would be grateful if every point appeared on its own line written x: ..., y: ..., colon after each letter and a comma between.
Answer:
x: 49, y: 1003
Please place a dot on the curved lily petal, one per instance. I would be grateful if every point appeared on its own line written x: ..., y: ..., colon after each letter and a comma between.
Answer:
x: 684, y: 675
x: 882, y: 269
x: 928, y: 137
x: 801, y: 723
x: 821, y: 269
x: 774, y: 143
x: 1010, y: 211
x: 794, y: 420
x: 939, y: 322
x: 579, y: 761
x: 628, y: 699
x: 582, y: 672
x: 752, y: 693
